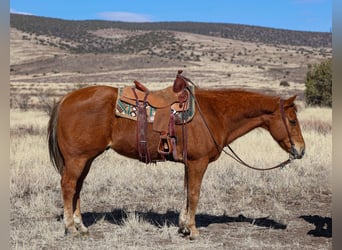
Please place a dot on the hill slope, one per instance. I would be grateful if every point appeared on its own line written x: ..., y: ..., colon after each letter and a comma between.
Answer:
x: 78, y: 36
x: 47, y: 50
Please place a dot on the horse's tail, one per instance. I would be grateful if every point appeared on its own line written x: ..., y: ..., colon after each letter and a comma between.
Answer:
x: 56, y: 156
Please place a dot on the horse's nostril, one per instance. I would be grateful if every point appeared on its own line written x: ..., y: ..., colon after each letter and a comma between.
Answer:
x: 303, y: 152
x: 299, y: 154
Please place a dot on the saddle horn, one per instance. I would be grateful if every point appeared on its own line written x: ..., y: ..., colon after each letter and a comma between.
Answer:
x: 141, y: 87
x: 180, y: 83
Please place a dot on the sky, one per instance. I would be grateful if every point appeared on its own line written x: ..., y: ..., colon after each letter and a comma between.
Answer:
x: 304, y: 15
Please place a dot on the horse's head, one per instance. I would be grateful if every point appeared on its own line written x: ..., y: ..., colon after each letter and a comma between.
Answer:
x: 285, y: 129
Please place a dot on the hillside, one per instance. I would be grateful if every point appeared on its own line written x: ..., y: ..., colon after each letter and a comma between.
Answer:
x: 77, y: 36
x: 45, y: 51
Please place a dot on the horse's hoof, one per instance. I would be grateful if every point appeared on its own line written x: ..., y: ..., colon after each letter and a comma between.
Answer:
x: 71, y: 232
x: 194, y: 235
x: 84, y: 231
x: 184, y: 231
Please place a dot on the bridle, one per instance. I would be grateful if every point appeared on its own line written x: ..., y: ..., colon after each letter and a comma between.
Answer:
x: 280, y: 165
x: 283, y: 117
x: 232, y: 154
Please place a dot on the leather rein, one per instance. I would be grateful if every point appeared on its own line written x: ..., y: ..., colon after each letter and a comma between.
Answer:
x: 232, y: 154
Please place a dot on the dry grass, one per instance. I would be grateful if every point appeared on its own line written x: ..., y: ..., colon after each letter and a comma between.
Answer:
x: 128, y: 205
x: 24, y: 51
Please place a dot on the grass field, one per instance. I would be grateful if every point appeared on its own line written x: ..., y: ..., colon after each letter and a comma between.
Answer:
x: 128, y: 205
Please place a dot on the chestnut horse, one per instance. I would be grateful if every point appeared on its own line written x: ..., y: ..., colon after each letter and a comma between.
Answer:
x: 83, y: 125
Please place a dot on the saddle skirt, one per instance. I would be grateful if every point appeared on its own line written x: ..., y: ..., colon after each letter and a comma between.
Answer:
x: 126, y: 105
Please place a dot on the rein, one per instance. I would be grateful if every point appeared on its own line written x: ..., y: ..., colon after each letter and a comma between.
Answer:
x: 233, y: 154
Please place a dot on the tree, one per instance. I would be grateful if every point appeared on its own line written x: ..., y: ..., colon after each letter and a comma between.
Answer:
x: 318, y: 84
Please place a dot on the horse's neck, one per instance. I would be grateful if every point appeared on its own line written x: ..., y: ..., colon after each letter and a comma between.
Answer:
x: 242, y: 128
x: 242, y: 112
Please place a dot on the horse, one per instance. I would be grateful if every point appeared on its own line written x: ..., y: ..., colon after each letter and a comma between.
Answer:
x: 83, y: 125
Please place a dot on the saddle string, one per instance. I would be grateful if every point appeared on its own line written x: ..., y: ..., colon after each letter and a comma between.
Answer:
x: 185, y: 138
x: 186, y: 79
x: 233, y: 154
x: 141, y: 129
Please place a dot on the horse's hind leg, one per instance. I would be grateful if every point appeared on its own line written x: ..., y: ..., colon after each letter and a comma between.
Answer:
x: 78, y: 218
x: 77, y: 213
x: 70, y: 191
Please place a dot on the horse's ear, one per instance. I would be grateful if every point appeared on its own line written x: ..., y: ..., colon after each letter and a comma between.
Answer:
x: 290, y: 102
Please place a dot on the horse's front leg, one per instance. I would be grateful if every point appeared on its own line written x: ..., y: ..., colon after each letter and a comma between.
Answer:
x: 194, y: 172
x: 184, y: 216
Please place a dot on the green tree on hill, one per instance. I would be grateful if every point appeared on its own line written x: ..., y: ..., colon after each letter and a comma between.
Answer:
x: 318, y: 84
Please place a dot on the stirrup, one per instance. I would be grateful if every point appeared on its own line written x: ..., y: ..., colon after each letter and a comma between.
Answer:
x: 165, y: 145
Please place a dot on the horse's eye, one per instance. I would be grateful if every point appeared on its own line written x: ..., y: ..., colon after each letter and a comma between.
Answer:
x: 293, y: 122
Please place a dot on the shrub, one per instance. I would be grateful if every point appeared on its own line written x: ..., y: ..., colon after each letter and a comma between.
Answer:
x: 284, y: 83
x: 318, y: 84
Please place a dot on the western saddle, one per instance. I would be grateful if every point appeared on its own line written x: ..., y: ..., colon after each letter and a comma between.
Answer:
x: 166, y: 102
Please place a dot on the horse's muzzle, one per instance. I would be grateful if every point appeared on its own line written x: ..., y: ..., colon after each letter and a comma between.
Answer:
x: 297, y: 154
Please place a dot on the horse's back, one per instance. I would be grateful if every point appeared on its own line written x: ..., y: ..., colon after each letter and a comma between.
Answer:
x: 90, y: 93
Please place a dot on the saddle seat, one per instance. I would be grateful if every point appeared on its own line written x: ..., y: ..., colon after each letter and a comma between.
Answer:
x: 158, y: 99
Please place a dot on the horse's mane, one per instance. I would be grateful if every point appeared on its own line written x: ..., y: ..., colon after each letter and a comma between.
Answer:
x: 225, y: 92
x: 239, y: 98
x: 235, y: 91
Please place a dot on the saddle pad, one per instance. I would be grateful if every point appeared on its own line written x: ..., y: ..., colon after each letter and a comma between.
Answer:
x: 129, y: 111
